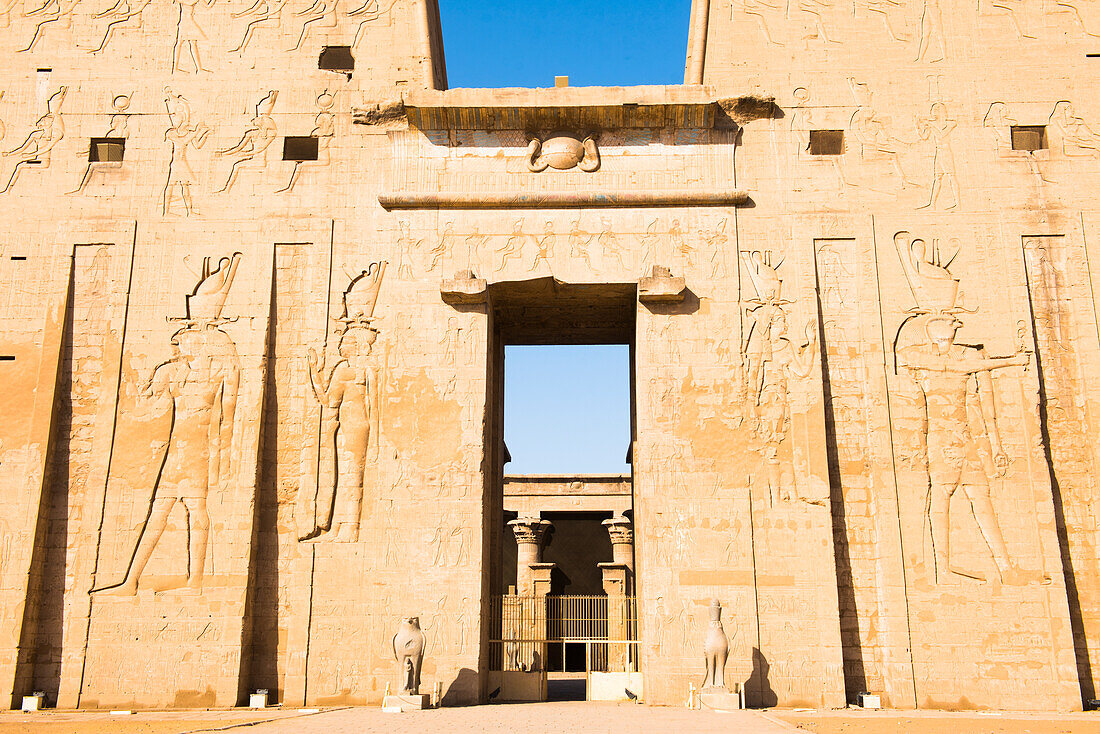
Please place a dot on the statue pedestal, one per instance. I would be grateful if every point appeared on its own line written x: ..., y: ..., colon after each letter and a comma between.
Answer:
x: 719, y: 699
x: 401, y: 703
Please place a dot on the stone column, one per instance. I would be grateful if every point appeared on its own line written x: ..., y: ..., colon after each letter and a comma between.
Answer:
x: 618, y: 582
x: 529, y: 533
x: 526, y: 612
x: 622, y: 541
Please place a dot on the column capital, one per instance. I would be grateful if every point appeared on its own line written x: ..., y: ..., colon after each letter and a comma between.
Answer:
x: 529, y: 529
x: 620, y: 529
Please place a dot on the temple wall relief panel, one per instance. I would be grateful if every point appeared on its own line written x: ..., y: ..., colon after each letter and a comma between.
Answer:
x: 1063, y: 324
x: 35, y: 288
x: 870, y: 581
x: 175, y: 541
x: 731, y: 459
x: 977, y: 518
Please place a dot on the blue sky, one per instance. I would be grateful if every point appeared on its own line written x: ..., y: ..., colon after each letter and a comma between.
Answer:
x: 566, y: 409
x: 511, y: 43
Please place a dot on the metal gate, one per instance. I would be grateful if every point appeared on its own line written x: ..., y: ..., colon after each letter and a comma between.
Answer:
x: 545, y: 633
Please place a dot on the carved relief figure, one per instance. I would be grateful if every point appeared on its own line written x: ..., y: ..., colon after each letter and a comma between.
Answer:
x: 513, y: 246
x: 762, y: 10
x: 6, y: 8
x: 405, y: 246
x: 544, y: 247
x: 318, y: 11
x: 408, y: 651
x: 446, y: 244
x: 832, y: 270
x: 37, y: 147
x: 119, y: 127
x: 954, y: 381
x: 1015, y: 10
x: 324, y: 129
x: 887, y: 8
x: 182, y: 135
x: 579, y: 240
x: 650, y: 244
x: 937, y: 127
x: 474, y: 242
x: 349, y: 397
x: 870, y: 132
x: 609, y: 242
x: 680, y: 244
x: 814, y: 8
x: 562, y: 151
x: 367, y: 13
x: 199, y: 385
x: 123, y: 16
x: 260, y: 13
x: 252, y: 148
x: 51, y: 11
x: 1078, y: 139
x: 1065, y: 6
x: 931, y: 33
x: 189, y: 33
x: 769, y: 362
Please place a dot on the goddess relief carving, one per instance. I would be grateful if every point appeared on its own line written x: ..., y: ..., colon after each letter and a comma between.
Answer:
x: 199, y: 384
x: 349, y: 397
x: 769, y: 362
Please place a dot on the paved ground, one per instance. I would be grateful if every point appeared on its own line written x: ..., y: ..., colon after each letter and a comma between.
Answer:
x: 559, y: 718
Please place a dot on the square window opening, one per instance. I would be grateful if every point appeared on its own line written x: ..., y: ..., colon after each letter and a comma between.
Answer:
x: 826, y: 142
x: 106, y: 150
x: 300, y: 148
x: 1029, y: 137
x: 336, y: 58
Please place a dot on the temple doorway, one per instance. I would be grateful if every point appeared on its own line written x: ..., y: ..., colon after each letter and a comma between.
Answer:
x: 561, y: 618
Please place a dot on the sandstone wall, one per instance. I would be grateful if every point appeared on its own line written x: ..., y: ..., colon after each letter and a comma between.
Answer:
x: 880, y: 503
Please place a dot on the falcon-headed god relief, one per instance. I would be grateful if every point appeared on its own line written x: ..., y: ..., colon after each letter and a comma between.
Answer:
x: 199, y: 382
x: 349, y: 397
x: 954, y: 392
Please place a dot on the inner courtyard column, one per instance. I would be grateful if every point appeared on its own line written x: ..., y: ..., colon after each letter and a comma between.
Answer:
x: 618, y: 584
x: 525, y: 612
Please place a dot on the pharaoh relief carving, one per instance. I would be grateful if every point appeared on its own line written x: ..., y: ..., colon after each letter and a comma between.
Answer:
x: 348, y: 392
x: 251, y: 150
x: 198, y: 385
x: 119, y: 127
x: 937, y: 128
x: 954, y: 386
x: 563, y: 151
x: 189, y: 33
x: 36, y: 149
x: 184, y: 135
x: 769, y: 362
